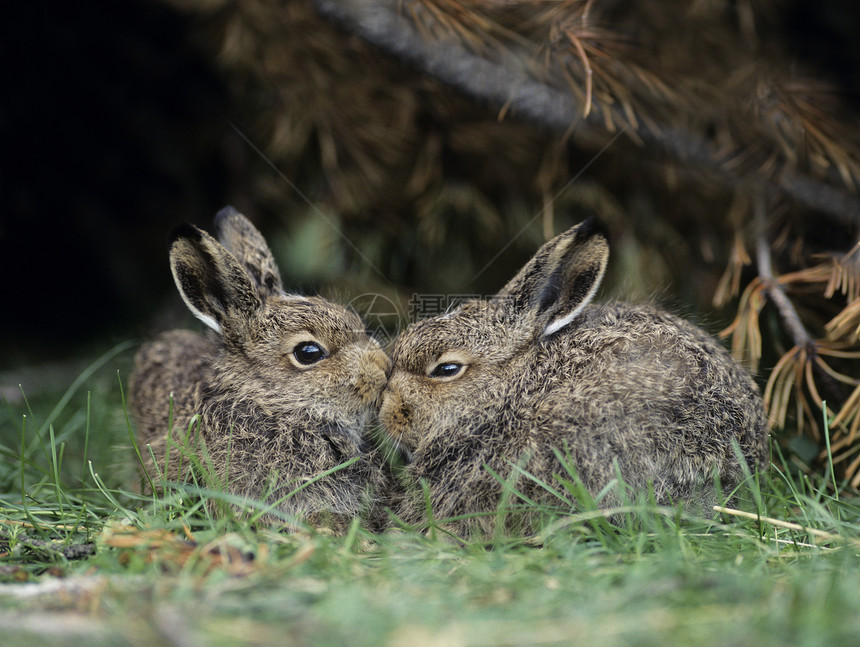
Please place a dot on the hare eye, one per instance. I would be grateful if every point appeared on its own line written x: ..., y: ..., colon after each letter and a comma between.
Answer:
x: 309, y: 352
x: 447, y: 369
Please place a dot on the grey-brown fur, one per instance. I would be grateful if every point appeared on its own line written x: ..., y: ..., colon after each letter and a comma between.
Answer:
x: 268, y: 422
x: 613, y: 385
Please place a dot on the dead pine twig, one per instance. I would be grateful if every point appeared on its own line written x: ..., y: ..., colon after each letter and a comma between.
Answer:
x: 806, y: 374
x: 771, y: 286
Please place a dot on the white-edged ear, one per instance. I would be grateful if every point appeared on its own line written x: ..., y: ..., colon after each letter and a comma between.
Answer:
x: 202, y: 316
x: 211, y: 282
x: 561, y: 278
x: 589, y: 285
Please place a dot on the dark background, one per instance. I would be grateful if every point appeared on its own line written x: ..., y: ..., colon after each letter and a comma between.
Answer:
x: 112, y: 126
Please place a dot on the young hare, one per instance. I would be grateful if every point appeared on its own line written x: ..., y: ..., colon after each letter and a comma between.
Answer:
x: 537, y: 373
x: 280, y: 395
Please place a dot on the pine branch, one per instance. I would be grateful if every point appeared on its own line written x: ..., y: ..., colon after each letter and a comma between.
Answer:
x: 506, y: 84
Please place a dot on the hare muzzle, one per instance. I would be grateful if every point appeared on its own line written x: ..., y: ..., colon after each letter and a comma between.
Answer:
x: 395, y: 415
x: 372, y: 376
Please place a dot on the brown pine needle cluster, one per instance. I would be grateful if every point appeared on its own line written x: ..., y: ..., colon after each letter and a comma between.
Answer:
x: 797, y: 380
x: 556, y: 43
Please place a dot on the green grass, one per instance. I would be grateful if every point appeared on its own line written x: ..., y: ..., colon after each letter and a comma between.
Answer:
x: 84, y: 559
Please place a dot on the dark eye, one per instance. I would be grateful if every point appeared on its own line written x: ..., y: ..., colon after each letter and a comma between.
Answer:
x: 308, y: 352
x: 448, y: 369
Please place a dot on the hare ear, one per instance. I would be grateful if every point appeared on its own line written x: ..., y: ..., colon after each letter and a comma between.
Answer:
x: 561, y: 278
x: 213, y: 284
x: 247, y: 244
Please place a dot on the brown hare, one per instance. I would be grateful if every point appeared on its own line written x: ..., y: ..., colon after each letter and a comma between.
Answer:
x: 280, y: 394
x: 536, y: 373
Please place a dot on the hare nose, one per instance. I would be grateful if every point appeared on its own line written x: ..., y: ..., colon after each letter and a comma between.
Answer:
x: 372, y: 376
x: 394, y: 414
x: 383, y: 362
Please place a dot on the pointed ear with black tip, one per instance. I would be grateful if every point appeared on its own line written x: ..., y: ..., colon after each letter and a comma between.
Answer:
x: 247, y: 244
x: 214, y: 286
x: 561, y: 278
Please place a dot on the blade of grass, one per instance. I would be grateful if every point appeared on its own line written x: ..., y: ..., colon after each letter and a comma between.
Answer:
x: 108, y: 495
x: 86, y: 438
x: 55, y: 469
x: 131, y: 434
x: 832, y: 472
x: 273, y: 506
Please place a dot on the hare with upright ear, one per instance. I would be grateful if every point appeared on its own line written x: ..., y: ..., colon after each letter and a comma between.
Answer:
x: 279, y: 395
x: 536, y: 374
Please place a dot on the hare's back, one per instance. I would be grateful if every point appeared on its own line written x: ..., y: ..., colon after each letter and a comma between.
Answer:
x: 624, y: 337
x: 167, y: 372
x: 642, y: 373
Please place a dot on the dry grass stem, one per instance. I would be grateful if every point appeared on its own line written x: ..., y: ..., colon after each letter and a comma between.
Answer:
x: 789, y: 525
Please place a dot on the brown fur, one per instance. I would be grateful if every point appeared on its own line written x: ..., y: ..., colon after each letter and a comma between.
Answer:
x: 267, y: 422
x: 618, y: 387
